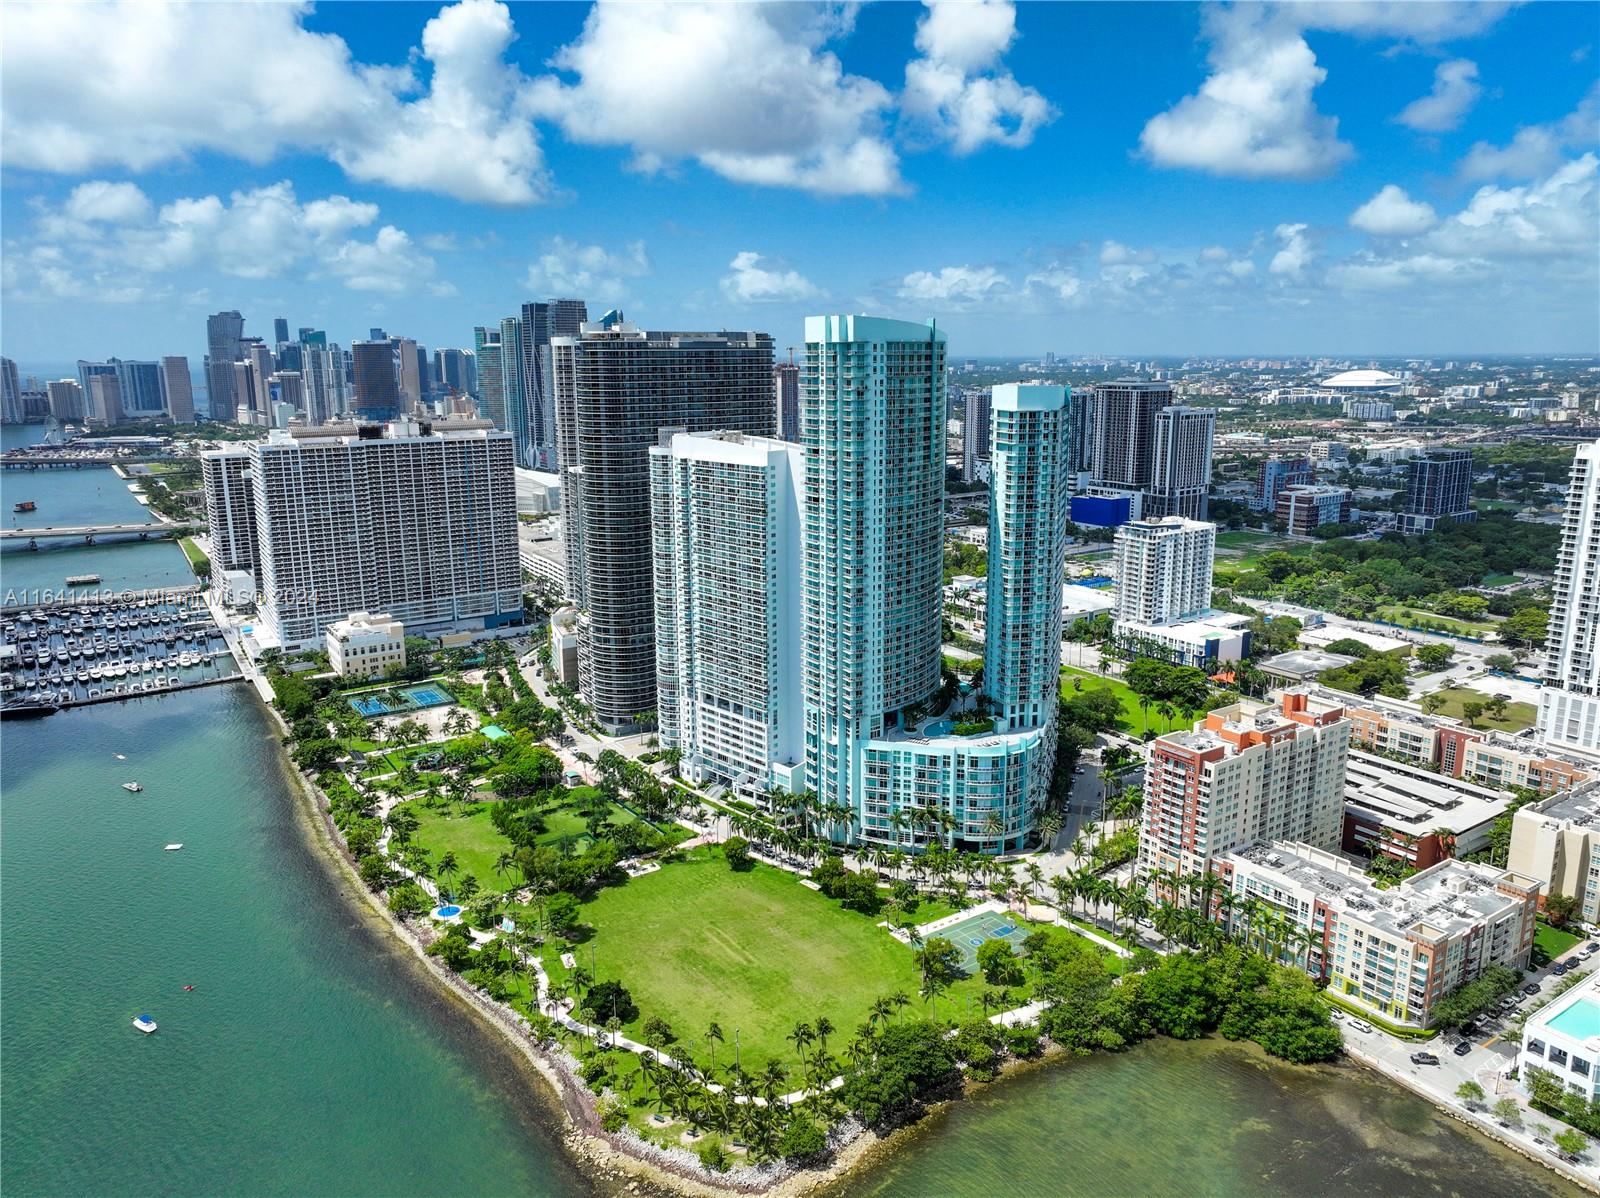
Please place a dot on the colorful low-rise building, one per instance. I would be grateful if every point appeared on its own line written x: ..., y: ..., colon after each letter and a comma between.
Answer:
x: 1395, y: 952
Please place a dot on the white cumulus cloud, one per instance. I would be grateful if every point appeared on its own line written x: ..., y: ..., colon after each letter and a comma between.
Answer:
x: 171, y: 80
x: 1295, y: 253
x: 1255, y: 115
x: 958, y: 90
x: 753, y: 279
x: 749, y: 91
x: 954, y: 285
x: 568, y: 268
x: 256, y: 233
x: 1537, y: 149
x: 1393, y: 213
x: 1455, y: 91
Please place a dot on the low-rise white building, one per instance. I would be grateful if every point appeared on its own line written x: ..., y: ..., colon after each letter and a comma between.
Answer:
x: 364, y: 644
x: 564, y: 646
x: 1558, y: 842
x: 1563, y: 1039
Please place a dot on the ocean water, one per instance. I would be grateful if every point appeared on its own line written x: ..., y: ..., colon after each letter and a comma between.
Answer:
x: 311, y: 1058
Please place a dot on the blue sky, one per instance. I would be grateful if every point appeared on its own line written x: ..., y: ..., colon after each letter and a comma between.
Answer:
x: 1344, y: 178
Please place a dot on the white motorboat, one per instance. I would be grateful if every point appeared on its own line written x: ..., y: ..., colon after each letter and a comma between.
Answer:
x: 144, y: 1024
x: 132, y: 787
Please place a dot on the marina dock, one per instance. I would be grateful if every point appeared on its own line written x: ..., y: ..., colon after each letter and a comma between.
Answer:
x: 76, y: 652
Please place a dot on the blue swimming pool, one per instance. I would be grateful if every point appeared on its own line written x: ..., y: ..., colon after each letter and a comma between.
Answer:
x: 448, y: 911
x: 939, y: 728
x: 1580, y: 1021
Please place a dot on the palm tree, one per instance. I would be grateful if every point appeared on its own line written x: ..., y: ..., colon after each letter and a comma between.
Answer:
x: 800, y: 1037
x: 713, y: 1038
x: 446, y: 868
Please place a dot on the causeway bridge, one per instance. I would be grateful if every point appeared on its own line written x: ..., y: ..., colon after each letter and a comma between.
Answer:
x: 89, y: 532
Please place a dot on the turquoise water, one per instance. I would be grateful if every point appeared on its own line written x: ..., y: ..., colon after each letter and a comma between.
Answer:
x: 1201, y: 1119
x: 310, y: 1059
x: 89, y: 496
x: 1580, y: 1020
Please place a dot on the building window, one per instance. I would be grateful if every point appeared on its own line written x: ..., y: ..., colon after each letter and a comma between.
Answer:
x: 1580, y: 1066
x: 1536, y: 1047
x: 1558, y: 1056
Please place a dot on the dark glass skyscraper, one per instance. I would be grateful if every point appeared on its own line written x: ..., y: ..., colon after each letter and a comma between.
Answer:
x: 616, y: 390
x: 224, y: 337
x: 377, y: 391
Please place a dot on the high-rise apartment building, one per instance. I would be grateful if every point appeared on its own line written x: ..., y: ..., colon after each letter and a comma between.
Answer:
x: 326, y: 396
x: 230, y: 512
x: 786, y: 398
x: 11, y: 410
x: 1255, y: 770
x: 876, y: 744
x: 410, y: 377
x: 413, y: 520
x: 540, y: 323
x: 1164, y: 569
x: 177, y: 389
x: 224, y: 335
x: 280, y: 331
x: 105, y: 400
x: 491, y: 397
x: 1569, y: 704
x: 450, y: 371
x: 1438, y: 488
x: 251, y: 399
x: 514, y: 395
x: 1274, y: 474
x: 67, y: 400
x: 975, y: 434
x: 1180, y: 464
x: 1029, y: 503
x: 377, y: 391
x: 617, y: 388
x: 1124, y: 422
x: 725, y: 524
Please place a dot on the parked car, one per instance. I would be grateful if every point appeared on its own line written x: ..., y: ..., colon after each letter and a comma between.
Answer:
x: 1531, y: 989
x: 1336, y: 1015
x: 1424, y: 1058
x: 1559, y: 968
x: 1361, y: 1025
x: 1591, y: 948
x: 1462, y: 1048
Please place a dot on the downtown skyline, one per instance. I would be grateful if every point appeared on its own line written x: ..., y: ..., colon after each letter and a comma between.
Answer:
x: 1356, y: 179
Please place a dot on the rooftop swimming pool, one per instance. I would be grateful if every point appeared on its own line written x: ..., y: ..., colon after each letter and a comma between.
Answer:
x: 1581, y: 1020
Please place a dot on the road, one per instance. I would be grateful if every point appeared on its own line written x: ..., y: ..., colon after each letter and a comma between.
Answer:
x: 1487, y: 1064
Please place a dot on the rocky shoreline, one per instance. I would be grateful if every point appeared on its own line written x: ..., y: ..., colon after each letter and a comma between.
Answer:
x: 622, y: 1161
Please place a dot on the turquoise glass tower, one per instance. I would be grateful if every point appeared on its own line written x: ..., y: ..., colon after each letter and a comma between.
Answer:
x: 883, y: 754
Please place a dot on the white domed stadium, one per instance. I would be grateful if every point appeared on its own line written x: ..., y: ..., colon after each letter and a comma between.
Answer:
x: 1364, y: 382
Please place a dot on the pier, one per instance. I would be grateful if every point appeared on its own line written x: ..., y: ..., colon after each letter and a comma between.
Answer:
x: 90, y: 532
x: 16, y: 461
x: 25, y: 708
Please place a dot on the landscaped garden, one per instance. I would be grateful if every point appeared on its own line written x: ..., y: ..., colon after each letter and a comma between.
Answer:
x: 1133, y: 716
x: 1487, y: 713
x: 753, y: 950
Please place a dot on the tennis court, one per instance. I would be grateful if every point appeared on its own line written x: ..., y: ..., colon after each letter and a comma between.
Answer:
x: 393, y: 700
x: 971, y: 933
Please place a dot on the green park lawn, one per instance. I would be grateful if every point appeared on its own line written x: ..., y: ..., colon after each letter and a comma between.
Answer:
x: 696, y: 942
x: 1517, y: 717
x: 1416, y: 617
x: 1132, y: 714
x: 1549, y: 943
x: 1245, y: 539
x: 471, y: 836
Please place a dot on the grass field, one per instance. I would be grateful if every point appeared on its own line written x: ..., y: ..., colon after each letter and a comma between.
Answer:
x: 471, y: 837
x: 1549, y: 943
x: 193, y: 553
x: 1132, y: 714
x: 1517, y: 717
x: 755, y: 951
x: 1498, y: 580
x: 1245, y: 539
x: 1397, y: 613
